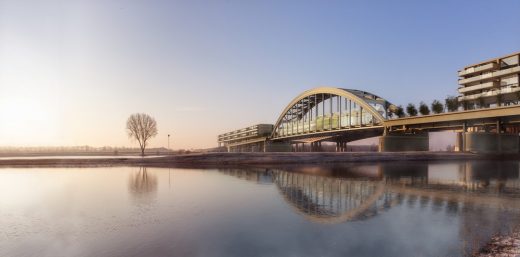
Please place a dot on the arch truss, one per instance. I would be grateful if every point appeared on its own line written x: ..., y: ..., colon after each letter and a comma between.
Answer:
x: 328, y: 109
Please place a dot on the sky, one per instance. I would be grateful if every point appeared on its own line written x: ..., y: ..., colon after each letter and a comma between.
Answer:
x: 71, y: 72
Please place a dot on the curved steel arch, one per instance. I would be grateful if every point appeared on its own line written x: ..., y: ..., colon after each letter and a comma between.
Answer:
x: 352, y: 94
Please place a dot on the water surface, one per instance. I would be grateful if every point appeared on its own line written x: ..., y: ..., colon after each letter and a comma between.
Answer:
x: 397, y: 209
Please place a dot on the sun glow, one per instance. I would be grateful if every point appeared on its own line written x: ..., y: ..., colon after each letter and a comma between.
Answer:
x: 26, y: 121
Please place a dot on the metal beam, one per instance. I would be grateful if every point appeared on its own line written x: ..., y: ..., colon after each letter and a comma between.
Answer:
x: 457, y: 116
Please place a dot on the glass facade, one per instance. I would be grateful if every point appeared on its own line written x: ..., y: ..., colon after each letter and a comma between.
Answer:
x: 326, y: 112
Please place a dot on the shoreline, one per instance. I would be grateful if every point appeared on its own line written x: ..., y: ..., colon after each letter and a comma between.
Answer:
x: 502, y: 245
x: 253, y: 159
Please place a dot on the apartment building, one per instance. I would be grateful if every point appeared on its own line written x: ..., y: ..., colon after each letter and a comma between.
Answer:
x: 491, y: 83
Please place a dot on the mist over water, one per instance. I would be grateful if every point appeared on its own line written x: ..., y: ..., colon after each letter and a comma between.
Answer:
x: 391, y: 209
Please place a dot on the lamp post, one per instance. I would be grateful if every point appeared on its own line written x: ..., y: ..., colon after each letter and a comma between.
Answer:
x: 168, y: 141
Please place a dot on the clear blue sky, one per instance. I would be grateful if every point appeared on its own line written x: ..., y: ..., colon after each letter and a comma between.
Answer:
x: 204, y: 67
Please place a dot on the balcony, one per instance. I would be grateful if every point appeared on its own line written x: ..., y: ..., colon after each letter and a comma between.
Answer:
x: 490, y: 75
x: 503, y: 91
x: 486, y: 85
x: 481, y: 68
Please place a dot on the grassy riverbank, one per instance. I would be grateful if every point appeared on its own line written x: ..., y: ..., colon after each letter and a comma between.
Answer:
x: 230, y: 159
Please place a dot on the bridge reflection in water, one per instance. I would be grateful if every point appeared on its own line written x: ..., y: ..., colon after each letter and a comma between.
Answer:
x: 332, y: 200
x: 485, y: 195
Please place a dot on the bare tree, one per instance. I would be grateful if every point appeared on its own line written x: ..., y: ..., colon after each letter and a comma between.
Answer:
x: 141, y: 127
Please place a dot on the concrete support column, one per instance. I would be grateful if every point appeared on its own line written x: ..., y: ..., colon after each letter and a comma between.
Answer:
x: 499, y: 132
x: 481, y: 142
x: 404, y: 142
x: 459, y: 143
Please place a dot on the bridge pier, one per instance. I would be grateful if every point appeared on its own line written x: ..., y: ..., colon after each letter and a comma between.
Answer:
x: 314, y: 147
x: 278, y: 147
x: 404, y: 142
x: 489, y: 142
x: 459, y: 142
x: 341, y: 146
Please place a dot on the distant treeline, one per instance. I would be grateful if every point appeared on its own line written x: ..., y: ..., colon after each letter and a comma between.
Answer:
x: 82, y: 150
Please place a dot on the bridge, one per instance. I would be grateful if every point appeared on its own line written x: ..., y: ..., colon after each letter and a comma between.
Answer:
x: 337, y: 115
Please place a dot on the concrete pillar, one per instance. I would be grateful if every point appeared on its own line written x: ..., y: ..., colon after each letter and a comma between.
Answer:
x: 482, y: 142
x: 404, y: 142
x: 459, y: 144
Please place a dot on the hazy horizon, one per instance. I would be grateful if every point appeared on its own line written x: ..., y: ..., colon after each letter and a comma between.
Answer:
x: 71, y: 72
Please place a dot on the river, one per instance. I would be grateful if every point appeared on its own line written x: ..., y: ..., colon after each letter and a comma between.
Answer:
x: 359, y: 209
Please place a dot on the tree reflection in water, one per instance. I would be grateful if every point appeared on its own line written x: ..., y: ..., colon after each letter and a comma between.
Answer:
x: 142, y: 185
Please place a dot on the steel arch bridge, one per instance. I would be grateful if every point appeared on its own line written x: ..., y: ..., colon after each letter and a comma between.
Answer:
x: 328, y: 112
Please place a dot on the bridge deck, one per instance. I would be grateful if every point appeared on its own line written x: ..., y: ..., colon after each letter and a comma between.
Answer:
x: 512, y: 113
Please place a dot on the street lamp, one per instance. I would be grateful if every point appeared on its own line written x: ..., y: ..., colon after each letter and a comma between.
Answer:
x: 168, y: 141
